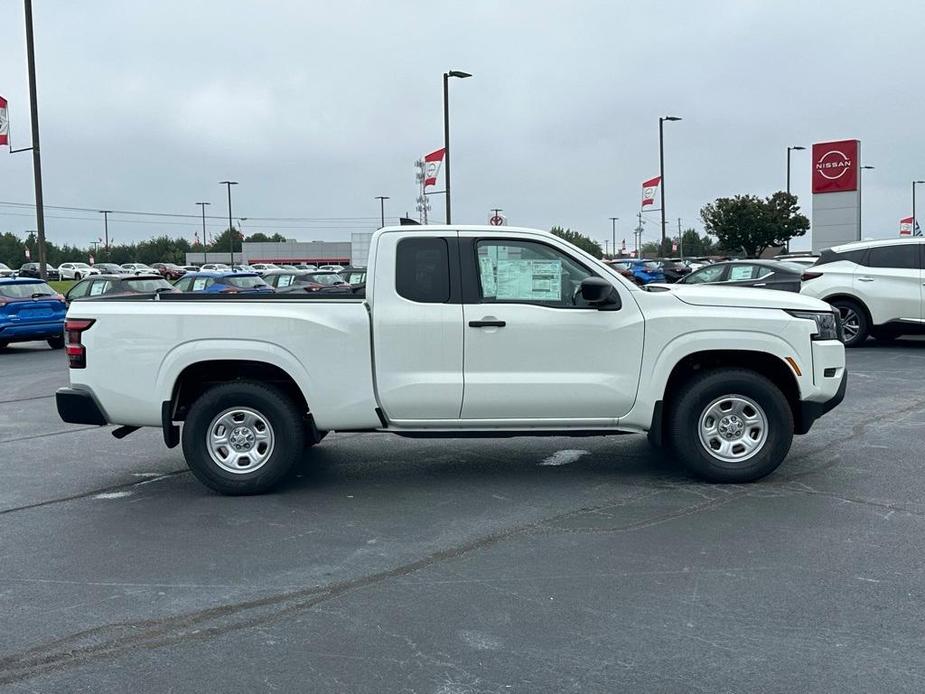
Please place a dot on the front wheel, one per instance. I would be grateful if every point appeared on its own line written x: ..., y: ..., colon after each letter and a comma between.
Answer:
x: 56, y: 342
x: 730, y: 425
x: 243, y: 437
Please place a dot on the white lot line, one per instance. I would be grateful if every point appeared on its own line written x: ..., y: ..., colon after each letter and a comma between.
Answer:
x: 113, y: 495
x: 564, y: 457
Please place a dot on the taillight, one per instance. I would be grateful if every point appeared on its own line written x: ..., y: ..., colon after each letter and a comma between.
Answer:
x: 76, y: 352
x: 806, y: 276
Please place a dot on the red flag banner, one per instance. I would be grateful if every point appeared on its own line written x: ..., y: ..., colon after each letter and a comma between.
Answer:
x: 649, y: 189
x: 4, y: 123
x: 432, y: 164
x: 905, y: 226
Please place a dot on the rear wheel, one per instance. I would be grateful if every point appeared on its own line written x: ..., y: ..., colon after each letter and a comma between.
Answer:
x: 730, y: 425
x: 854, y: 321
x: 56, y: 342
x: 243, y: 437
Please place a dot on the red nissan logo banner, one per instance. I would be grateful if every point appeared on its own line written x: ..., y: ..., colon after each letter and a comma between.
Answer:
x: 835, y: 166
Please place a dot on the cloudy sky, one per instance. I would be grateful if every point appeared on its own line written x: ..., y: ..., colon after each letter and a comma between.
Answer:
x: 318, y: 107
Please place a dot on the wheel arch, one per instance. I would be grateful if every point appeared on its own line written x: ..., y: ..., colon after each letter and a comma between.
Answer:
x: 844, y: 296
x: 768, y: 365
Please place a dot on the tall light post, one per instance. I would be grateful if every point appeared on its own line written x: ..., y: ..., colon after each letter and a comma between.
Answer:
x: 661, y: 165
x: 613, y: 232
x: 230, y: 223
x: 861, y: 199
x: 382, y: 199
x: 446, y: 132
x: 205, y: 246
x: 106, y: 214
x: 36, y: 156
x: 794, y: 148
x: 914, y: 226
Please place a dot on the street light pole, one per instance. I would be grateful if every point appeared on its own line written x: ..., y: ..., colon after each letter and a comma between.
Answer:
x: 914, y: 227
x: 36, y: 156
x: 230, y: 223
x: 205, y: 252
x: 613, y: 232
x: 661, y: 165
x: 789, y: 149
x: 382, y: 199
x: 446, y: 132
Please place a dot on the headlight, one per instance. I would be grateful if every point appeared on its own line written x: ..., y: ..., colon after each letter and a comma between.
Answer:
x: 828, y: 324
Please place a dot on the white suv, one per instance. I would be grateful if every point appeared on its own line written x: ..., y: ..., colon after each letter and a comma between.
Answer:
x: 76, y: 271
x: 877, y: 286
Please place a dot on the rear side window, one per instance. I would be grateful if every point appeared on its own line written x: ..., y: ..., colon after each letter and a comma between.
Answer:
x: 422, y: 270
x: 858, y: 256
x: 902, y: 257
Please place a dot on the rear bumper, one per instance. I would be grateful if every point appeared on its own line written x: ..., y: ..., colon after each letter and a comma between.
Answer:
x: 810, y: 411
x: 23, y: 332
x: 78, y: 407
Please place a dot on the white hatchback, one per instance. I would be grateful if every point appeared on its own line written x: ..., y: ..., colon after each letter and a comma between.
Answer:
x: 877, y: 286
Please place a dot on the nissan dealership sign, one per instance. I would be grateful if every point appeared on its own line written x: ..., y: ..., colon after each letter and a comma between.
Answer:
x: 836, y: 193
x: 835, y: 166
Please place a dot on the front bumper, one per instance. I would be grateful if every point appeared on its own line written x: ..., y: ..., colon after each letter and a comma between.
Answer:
x: 810, y: 411
x: 78, y: 407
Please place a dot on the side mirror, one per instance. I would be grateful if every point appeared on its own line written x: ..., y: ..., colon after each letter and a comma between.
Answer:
x: 600, y: 293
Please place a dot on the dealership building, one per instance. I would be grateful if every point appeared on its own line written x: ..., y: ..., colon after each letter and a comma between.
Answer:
x: 353, y: 252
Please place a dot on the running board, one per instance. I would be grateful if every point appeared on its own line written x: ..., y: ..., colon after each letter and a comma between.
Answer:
x: 499, y: 433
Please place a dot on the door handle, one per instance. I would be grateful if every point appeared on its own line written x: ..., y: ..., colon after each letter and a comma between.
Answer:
x: 487, y: 324
x: 760, y: 284
x: 865, y: 279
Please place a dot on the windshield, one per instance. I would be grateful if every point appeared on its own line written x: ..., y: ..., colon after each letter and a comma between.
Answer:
x: 245, y: 281
x: 146, y: 285
x: 26, y: 290
x: 651, y: 267
x: 4, y: 266
x: 80, y: 265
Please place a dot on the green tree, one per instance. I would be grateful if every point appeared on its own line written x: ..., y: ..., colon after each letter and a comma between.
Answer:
x: 696, y: 245
x: 750, y: 224
x: 12, y: 250
x: 583, y: 242
x: 221, y: 243
x: 260, y: 237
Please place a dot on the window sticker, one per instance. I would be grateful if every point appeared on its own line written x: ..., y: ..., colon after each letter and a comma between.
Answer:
x: 487, y: 270
x: 740, y: 272
x: 529, y: 280
x: 285, y: 281
x: 199, y: 284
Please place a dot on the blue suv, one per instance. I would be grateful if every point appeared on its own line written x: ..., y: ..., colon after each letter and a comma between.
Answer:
x: 31, y: 310
x: 645, y: 271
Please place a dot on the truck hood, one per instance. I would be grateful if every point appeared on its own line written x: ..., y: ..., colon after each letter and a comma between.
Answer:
x: 740, y: 297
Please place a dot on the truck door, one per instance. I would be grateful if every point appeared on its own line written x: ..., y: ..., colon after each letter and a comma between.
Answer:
x: 417, y: 326
x: 533, y: 350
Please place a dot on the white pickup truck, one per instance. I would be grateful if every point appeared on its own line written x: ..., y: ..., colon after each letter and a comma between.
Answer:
x: 463, y: 331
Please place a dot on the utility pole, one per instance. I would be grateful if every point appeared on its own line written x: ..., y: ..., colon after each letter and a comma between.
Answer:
x: 36, y: 156
x: 106, y: 214
x: 661, y: 166
x: 680, y: 240
x: 613, y: 232
x: 606, y: 247
x: 638, y: 233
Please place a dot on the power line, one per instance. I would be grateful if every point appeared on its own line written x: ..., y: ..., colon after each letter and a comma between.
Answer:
x: 96, y: 210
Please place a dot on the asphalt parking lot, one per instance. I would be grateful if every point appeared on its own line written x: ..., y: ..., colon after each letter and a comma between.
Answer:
x: 513, y: 565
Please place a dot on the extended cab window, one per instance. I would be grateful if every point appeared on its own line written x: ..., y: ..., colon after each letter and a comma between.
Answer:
x: 422, y: 270
x: 528, y: 272
x: 903, y: 257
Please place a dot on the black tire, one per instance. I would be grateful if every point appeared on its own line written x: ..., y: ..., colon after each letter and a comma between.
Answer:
x: 689, y: 406
x: 4, y: 345
x: 853, y: 313
x: 284, y: 417
x: 56, y: 342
